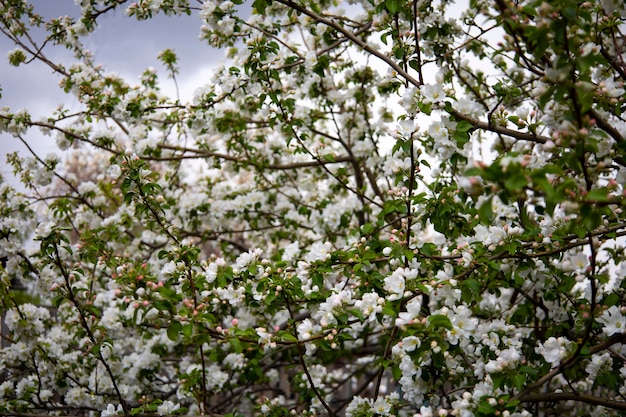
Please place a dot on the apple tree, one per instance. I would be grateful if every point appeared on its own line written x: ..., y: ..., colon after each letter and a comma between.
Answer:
x: 372, y: 208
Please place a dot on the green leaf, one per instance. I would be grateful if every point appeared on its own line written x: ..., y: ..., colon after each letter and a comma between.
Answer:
x: 396, y: 372
x: 599, y: 194
x: 389, y: 310
x: 485, y: 408
x: 611, y: 300
x: 17, y: 57
x: 585, y: 351
x: 472, y: 286
x: 357, y: 313
x: 528, y: 370
x: 173, y: 330
x: 569, y: 13
x: 368, y: 228
x: 270, y: 298
x: 288, y: 337
x: 498, y: 380
x: 516, y: 181
x: 188, y: 330
x: 439, y: 320
x: 485, y: 212
x: 464, y: 126
x: 236, y: 344
x: 518, y: 380
x: 163, y: 305
x: 392, y: 6
x: 58, y: 300
x: 512, y: 403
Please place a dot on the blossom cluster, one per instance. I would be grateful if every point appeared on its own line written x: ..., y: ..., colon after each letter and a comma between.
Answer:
x: 370, y: 210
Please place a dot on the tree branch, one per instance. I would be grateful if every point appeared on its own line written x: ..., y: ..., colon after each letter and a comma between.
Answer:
x: 572, y: 396
x: 351, y: 36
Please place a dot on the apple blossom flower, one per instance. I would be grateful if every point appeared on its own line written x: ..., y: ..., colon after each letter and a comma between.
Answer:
x: 358, y: 405
x: 438, y: 131
x: 553, y: 350
x: 381, y: 407
x: 44, y: 229
x: 318, y: 251
x: 613, y: 320
x: 306, y: 329
x: 432, y: 93
x: 370, y: 304
x: 167, y: 407
x: 111, y: 410
x: 462, y: 324
x: 410, y: 343
x: 406, y: 128
x: 413, y: 309
x: 265, y: 338
x: 114, y: 171
x: 410, y: 100
x: 394, y: 284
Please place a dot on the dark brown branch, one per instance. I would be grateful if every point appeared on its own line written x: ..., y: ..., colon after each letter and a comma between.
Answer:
x: 572, y: 396
x: 499, y: 129
x: 209, y: 154
x: 602, y: 124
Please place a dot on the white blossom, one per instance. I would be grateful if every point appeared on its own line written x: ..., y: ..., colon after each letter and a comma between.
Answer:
x: 167, y: 407
x: 614, y: 321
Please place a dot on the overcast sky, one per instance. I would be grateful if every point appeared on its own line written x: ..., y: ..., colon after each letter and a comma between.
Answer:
x: 122, y: 44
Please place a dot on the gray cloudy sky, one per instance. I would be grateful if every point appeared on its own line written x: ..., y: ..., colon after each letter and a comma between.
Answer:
x: 122, y: 44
